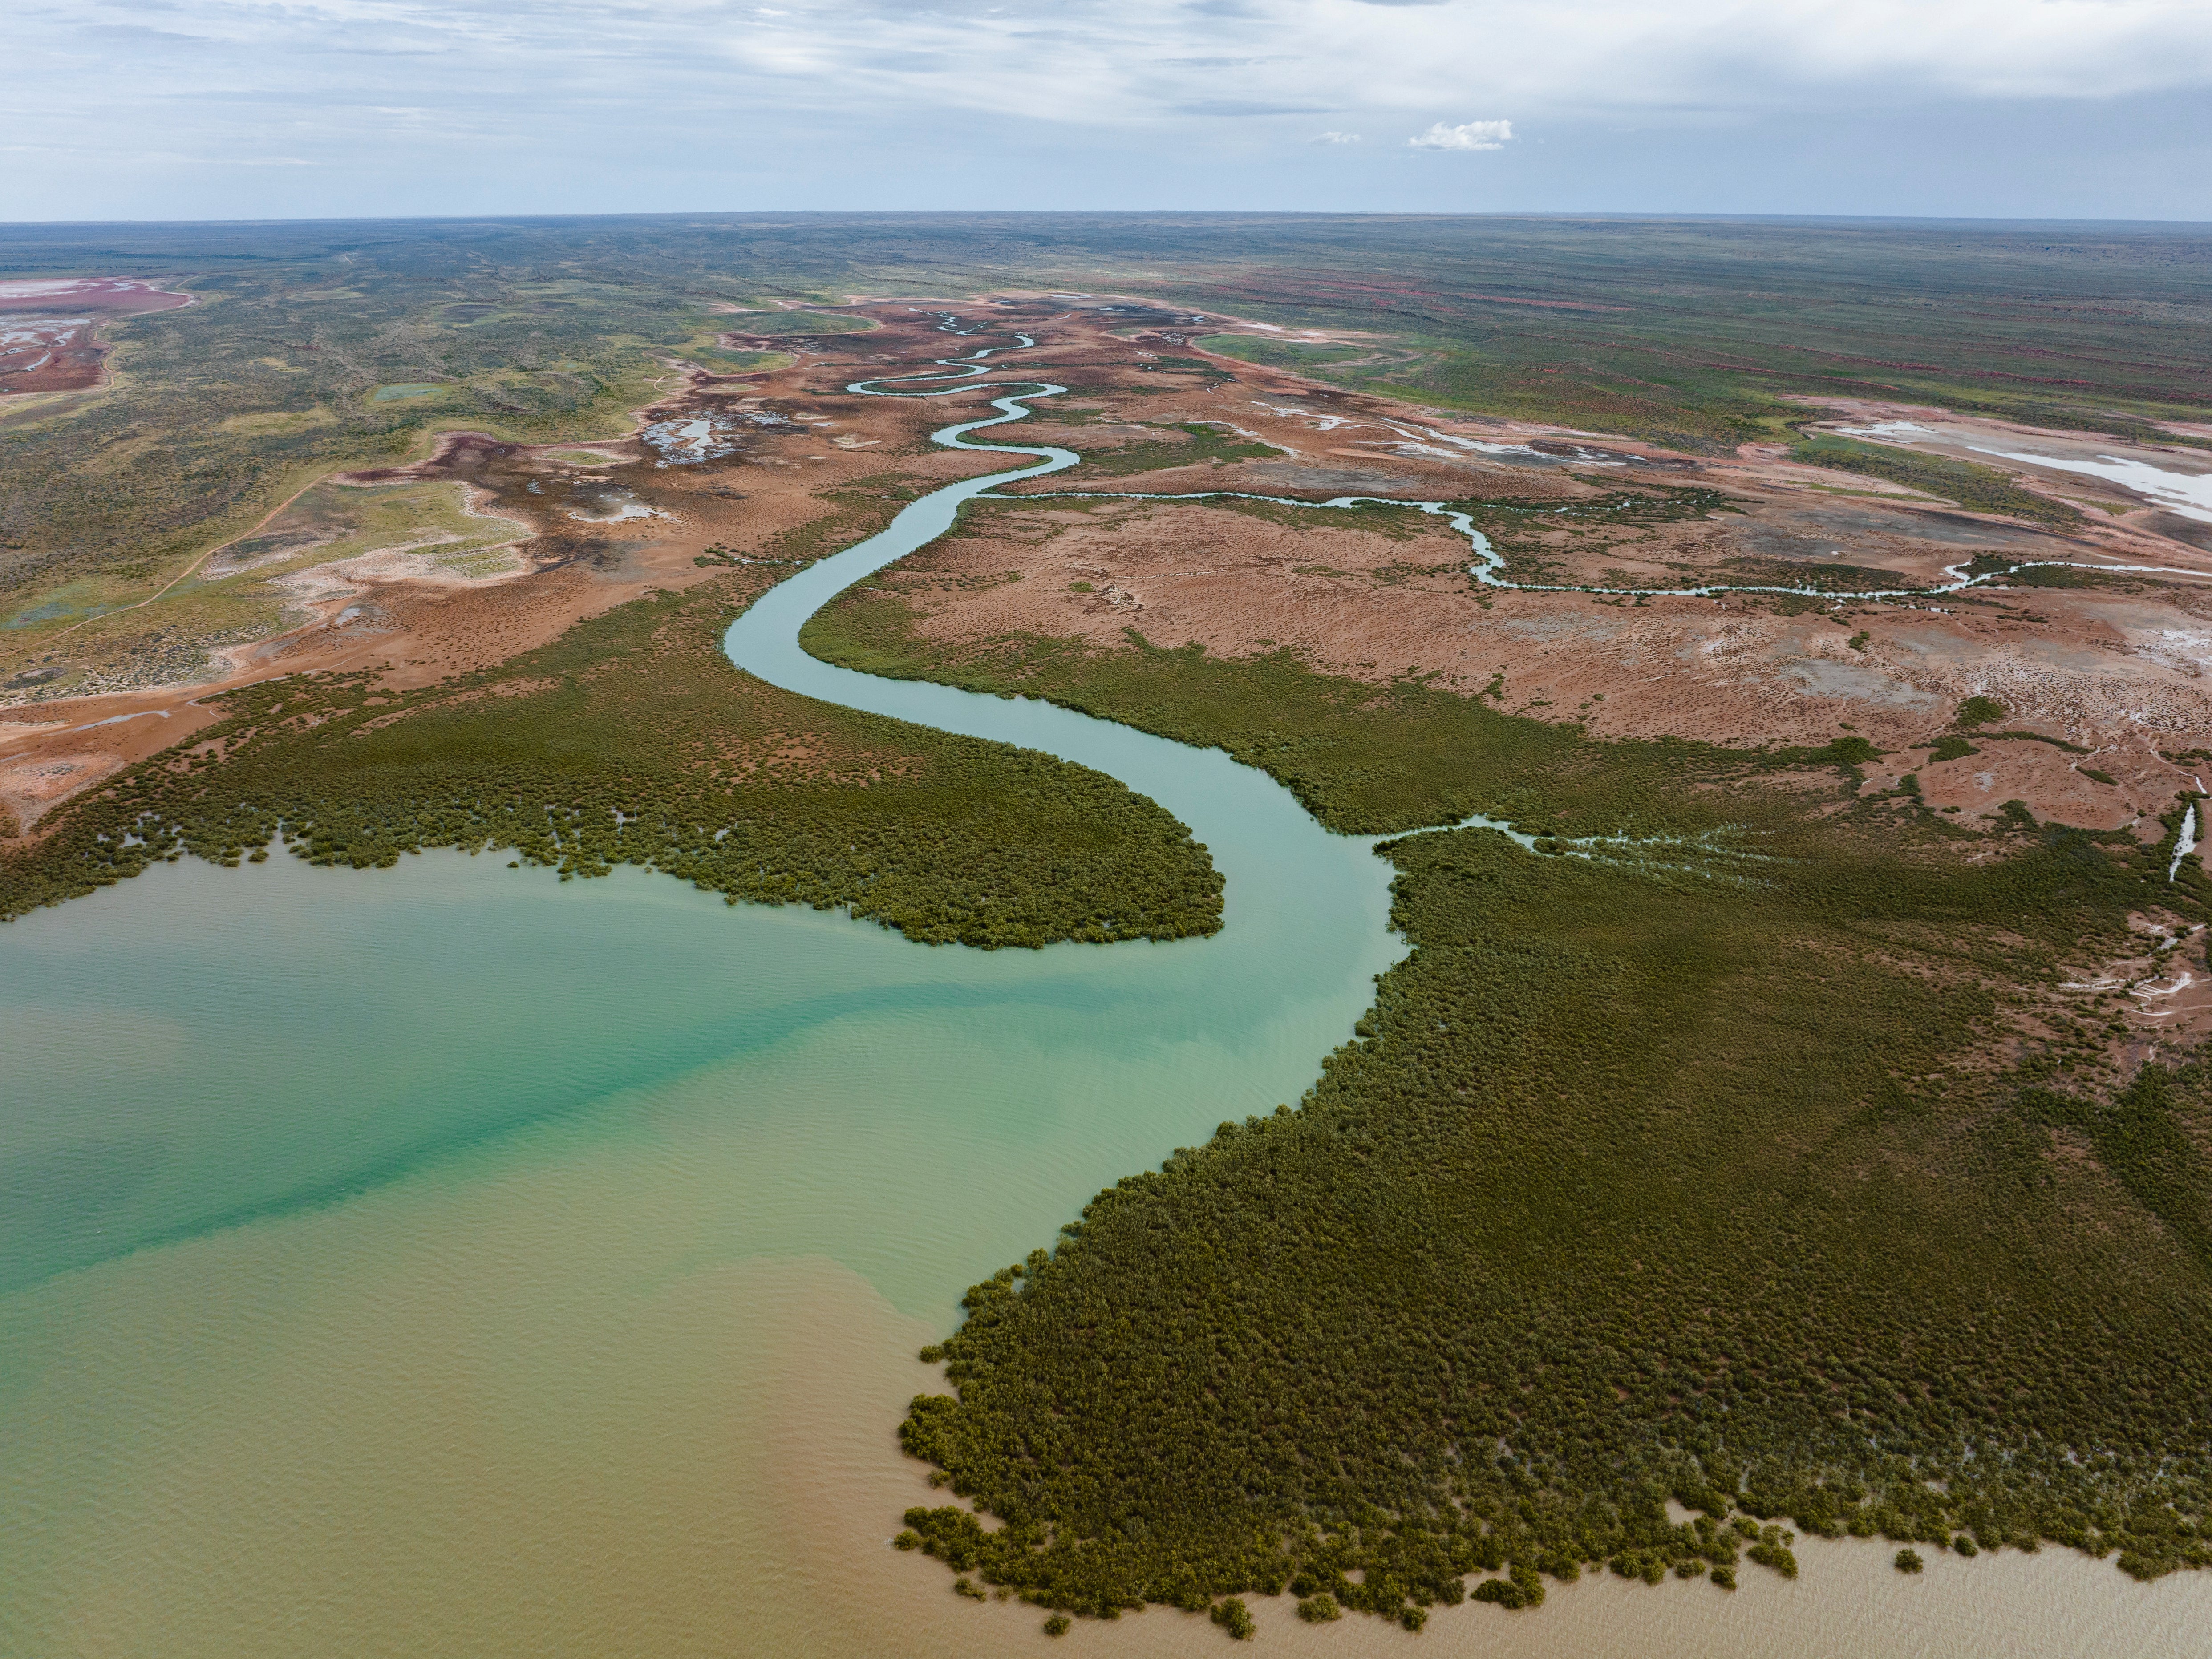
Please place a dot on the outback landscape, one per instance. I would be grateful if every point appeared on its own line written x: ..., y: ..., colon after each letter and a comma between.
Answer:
x: 1793, y: 1127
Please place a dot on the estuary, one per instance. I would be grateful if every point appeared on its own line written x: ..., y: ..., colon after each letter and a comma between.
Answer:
x: 452, y: 1260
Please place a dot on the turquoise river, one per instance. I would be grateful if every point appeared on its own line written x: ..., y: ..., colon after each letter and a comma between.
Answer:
x: 452, y: 1260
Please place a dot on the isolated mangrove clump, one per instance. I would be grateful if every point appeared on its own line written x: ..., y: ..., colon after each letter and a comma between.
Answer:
x: 1233, y: 1616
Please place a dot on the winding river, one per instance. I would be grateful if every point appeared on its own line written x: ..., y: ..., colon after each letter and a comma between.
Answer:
x: 449, y: 1259
x: 1265, y: 844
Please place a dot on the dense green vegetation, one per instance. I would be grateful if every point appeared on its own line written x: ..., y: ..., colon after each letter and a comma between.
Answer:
x: 631, y: 739
x: 1686, y: 1168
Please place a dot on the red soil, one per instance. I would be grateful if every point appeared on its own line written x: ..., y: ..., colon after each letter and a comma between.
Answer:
x: 46, y: 337
x: 82, y: 294
x: 2118, y: 668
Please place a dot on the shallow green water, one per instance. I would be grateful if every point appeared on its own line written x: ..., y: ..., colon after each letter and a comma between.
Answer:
x: 201, y: 1048
x: 244, y: 1103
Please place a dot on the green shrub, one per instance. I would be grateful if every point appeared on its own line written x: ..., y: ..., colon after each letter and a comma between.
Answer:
x: 1233, y: 1616
x: 1978, y: 488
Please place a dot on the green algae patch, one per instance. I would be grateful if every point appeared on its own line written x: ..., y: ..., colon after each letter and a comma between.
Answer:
x: 632, y: 740
x: 1975, y: 488
x: 1683, y: 1165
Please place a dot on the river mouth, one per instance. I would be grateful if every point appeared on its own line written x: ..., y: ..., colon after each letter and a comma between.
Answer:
x: 579, y: 1323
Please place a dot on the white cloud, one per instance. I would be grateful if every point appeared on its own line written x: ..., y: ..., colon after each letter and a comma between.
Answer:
x: 796, y: 88
x: 1469, y: 135
x: 1127, y: 63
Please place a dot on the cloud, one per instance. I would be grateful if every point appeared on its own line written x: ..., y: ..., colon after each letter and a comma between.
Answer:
x: 1129, y: 64
x: 140, y: 32
x: 890, y: 90
x: 1471, y: 134
x: 1122, y: 64
x: 1243, y: 106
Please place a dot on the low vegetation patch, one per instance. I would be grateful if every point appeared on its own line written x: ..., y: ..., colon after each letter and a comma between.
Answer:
x: 1191, y: 443
x: 1977, y: 489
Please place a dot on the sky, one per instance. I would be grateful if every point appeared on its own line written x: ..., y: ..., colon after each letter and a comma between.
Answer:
x: 175, y: 109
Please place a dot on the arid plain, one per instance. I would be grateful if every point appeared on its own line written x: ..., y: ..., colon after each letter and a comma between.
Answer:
x: 2094, y: 643
x: 772, y: 464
